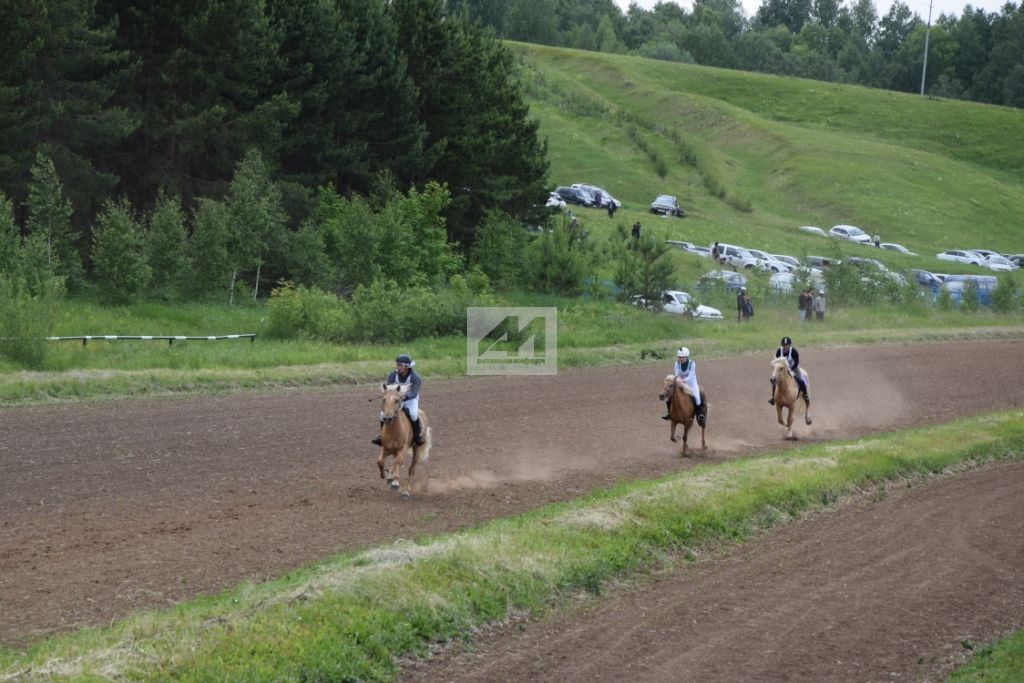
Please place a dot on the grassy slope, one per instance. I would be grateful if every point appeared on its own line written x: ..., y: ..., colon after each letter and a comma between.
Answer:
x: 931, y: 174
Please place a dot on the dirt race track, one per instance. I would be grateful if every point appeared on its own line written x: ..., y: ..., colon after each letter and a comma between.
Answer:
x: 111, y: 507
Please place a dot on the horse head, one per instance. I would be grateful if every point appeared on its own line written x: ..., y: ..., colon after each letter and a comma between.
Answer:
x: 780, y: 368
x: 668, y: 387
x: 391, y: 403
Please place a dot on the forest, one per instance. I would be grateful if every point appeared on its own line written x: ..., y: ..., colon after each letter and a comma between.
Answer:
x: 976, y: 56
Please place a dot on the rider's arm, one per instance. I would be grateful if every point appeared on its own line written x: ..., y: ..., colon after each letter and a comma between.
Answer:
x: 414, y: 386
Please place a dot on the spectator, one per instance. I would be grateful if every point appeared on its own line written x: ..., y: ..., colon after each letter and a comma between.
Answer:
x: 819, y: 306
x: 806, y: 302
x: 744, y: 306
x: 877, y: 240
x: 636, y: 230
x: 612, y: 206
x: 716, y: 252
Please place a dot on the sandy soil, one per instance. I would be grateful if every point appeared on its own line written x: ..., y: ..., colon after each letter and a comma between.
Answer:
x: 112, y: 507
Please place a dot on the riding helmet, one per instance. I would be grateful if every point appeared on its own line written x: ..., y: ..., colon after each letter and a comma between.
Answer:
x: 786, y: 341
x: 683, y: 351
x: 404, y: 358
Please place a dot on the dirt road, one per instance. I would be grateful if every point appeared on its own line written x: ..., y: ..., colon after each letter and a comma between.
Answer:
x: 111, y: 507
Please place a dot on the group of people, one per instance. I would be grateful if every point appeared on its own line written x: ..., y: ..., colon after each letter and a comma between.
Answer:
x: 685, y: 370
x: 812, y: 306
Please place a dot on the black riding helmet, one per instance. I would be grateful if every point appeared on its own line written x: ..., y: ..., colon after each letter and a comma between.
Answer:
x: 404, y: 358
x: 786, y: 341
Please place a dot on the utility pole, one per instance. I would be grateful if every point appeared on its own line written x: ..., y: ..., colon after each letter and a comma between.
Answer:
x: 927, y: 31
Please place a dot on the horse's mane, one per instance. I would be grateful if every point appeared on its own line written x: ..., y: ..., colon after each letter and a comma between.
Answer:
x: 679, y: 383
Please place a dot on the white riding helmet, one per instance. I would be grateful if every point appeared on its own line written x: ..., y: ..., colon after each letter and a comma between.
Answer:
x: 683, y: 351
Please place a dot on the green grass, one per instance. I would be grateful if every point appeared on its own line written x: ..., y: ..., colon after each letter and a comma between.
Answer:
x: 931, y: 174
x: 351, y: 617
x: 1001, y: 662
x: 590, y: 333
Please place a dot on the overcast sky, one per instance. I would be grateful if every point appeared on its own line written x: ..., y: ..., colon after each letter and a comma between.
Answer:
x: 919, y: 7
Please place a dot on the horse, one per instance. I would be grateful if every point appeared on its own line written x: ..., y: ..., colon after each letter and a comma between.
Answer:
x: 682, y: 410
x: 787, y: 394
x: 396, y: 438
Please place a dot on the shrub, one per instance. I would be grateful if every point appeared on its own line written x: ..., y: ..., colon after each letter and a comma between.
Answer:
x: 307, y: 312
x: 26, y: 319
x: 1004, y: 296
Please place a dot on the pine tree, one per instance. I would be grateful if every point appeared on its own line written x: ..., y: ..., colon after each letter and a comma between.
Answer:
x: 49, y: 217
x: 120, y: 266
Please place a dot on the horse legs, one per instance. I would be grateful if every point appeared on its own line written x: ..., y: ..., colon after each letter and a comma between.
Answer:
x: 807, y: 412
x: 672, y: 432
x: 778, y: 412
x: 396, y: 470
x: 686, y: 433
x: 380, y: 466
x: 406, y: 492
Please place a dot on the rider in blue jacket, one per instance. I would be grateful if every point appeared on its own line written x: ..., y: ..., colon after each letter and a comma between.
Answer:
x: 792, y: 356
x: 404, y: 375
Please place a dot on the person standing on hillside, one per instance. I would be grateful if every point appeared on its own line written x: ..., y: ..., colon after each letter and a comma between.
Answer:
x: 744, y: 306
x: 635, y: 232
x: 819, y: 306
x: 805, y: 304
x: 877, y: 240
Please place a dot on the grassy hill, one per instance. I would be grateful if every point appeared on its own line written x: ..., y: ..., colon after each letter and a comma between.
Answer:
x: 752, y: 156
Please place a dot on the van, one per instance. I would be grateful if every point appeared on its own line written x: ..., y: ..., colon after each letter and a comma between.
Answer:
x: 984, y: 285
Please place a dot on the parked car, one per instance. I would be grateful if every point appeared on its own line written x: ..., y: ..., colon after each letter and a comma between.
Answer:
x: 983, y: 285
x: 851, y: 233
x: 738, y: 257
x: 575, y: 195
x: 728, y: 279
x: 682, y: 302
x: 999, y: 263
x: 961, y: 256
x: 555, y: 201
x: 821, y: 261
x: 813, y: 230
x: 680, y: 244
x: 770, y: 263
x: 1016, y: 259
x: 984, y: 252
x: 785, y: 283
x: 667, y: 205
x: 892, y: 246
x: 926, y: 279
x: 872, y: 267
x: 793, y: 261
x: 602, y: 198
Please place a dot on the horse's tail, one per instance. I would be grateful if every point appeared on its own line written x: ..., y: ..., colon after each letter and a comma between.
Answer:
x: 424, y: 455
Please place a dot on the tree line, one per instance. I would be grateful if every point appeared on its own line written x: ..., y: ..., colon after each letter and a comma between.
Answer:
x: 977, y: 56
x: 145, y: 105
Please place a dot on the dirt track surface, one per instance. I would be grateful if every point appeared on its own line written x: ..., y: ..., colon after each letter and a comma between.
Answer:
x: 111, y: 507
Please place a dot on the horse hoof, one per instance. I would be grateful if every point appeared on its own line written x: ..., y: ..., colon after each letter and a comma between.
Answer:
x: 406, y: 495
x: 808, y: 420
x: 394, y: 485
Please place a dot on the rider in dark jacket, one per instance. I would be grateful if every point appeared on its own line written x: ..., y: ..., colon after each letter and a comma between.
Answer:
x: 404, y: 375
x: 792, y: 356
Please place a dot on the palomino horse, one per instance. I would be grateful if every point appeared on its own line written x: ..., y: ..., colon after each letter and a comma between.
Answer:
x: 787, y: 395
x: 396, y: 438
x: 682, y: 410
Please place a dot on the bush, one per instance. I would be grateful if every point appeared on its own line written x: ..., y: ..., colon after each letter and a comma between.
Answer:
x: 26, y: 319
x: 1004, y: 296
x: 307, y: 312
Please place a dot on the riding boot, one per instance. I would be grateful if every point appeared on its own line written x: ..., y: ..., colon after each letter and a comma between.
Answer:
x: 417, y: 433
x: 668, y: 409
x: 376, y: 440
x: 702, y: 414
x: 771, y: 401
x: 803, y: 391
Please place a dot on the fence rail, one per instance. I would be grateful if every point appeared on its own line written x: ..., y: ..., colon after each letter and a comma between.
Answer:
x: 85, y: 339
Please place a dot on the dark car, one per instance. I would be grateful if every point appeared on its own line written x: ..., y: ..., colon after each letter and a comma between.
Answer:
x: 927, y: 279
x: 667, y: 205
x: 575, y: 195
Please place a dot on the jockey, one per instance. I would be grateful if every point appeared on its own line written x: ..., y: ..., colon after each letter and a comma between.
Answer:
x: 792, y: 356
x: 686, y: 369
x: 404, y: 375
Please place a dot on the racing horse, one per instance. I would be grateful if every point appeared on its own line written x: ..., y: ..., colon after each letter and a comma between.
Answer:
x: 787, y: 394
x: 682, y: 411
x: 396, y: 438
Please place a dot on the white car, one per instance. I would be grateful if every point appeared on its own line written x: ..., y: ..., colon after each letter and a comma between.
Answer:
x: 850, y: 233
x: 682, y: 302
x: 787, y: 259
x: 771, y: 264
x: 555, y: 201
x: 813, y: 230
x: 785, y: 283
x: 873, y: 267
x: 999, y: 263
x: 892, y: 246
x: 961, y: 256
x: 738, y: 257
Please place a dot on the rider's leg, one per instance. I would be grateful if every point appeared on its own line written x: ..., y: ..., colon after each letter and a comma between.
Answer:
x: 802, y: 387
x: 412, y: 410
